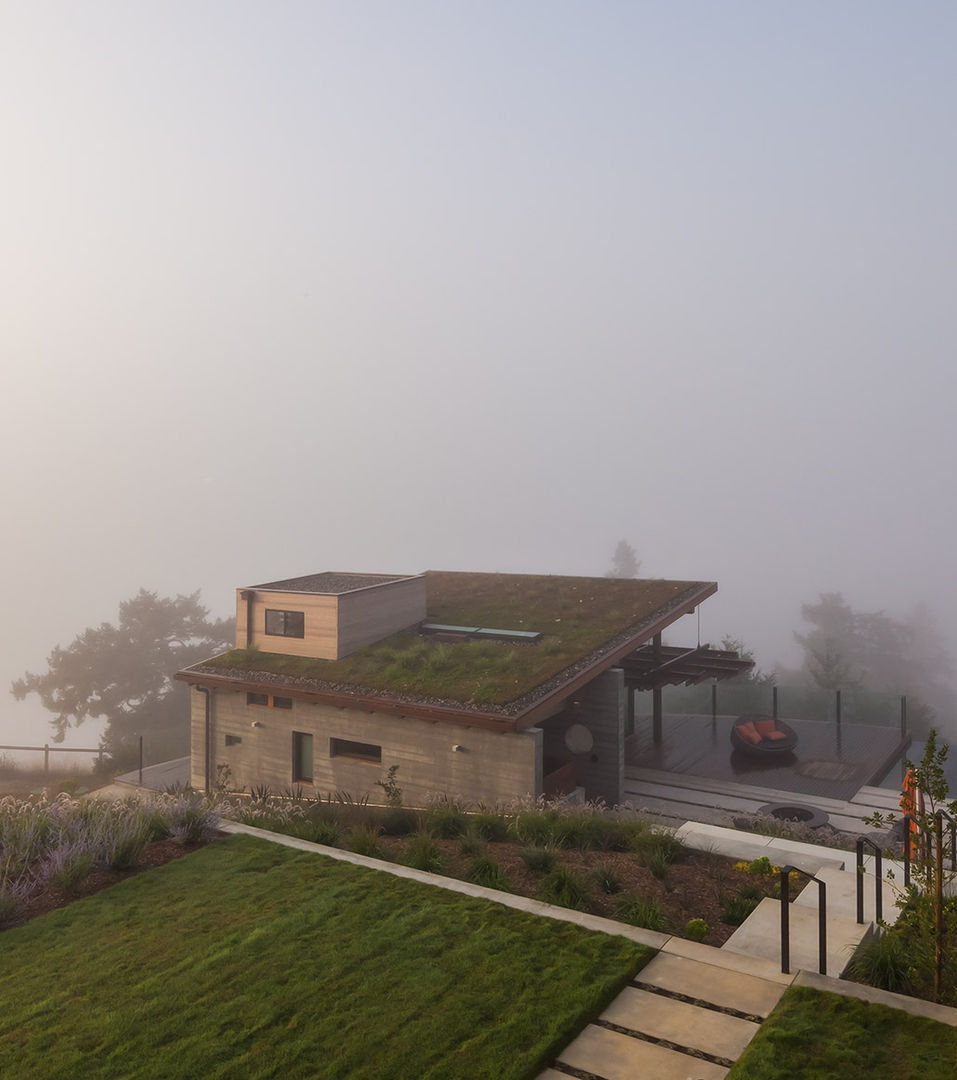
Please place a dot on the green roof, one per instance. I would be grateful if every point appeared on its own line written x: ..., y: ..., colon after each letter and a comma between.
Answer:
x: 580, y: 619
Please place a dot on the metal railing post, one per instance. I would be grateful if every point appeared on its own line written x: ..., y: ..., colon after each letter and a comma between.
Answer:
x: 786, y: 919
x: 878, y: 880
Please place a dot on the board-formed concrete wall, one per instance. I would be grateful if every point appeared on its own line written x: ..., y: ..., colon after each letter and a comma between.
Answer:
x: 488, y: 767
x: 600, y: 707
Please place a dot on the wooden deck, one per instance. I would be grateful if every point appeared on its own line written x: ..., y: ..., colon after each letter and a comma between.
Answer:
x: 832, y: 761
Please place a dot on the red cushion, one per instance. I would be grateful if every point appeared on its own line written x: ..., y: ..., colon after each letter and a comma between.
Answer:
x: 765, y: 727
x: 747, y: 732
x: 776, y: 735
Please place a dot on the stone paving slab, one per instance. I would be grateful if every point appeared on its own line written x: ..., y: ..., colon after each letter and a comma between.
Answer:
x: 614, y: 1056
x: 718, y: 986
x: 678, y: 1022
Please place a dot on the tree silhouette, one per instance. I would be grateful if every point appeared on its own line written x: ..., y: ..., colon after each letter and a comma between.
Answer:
x: 125, y: 672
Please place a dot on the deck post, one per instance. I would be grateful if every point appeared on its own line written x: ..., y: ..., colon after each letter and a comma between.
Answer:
x: 837, y: 706
x: 656, y: 698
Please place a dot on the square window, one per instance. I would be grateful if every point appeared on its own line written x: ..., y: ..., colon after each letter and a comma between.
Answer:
x: 301, y: 757
x: 285, y: 623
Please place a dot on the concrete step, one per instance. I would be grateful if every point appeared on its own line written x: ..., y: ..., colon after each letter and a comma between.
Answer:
x: 760, y: 936
x: 841, y: 898
x: 743, y: 845
x: 886, y: 799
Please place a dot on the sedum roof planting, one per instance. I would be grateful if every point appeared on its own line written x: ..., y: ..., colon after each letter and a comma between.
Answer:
x: 581, y: 619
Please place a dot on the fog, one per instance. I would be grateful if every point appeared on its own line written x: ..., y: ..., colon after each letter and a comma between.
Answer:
x: 392, y: 287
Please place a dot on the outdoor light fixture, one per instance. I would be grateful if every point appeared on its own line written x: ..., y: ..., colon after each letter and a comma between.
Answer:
x: 458, y: 748
x: 256, y: 723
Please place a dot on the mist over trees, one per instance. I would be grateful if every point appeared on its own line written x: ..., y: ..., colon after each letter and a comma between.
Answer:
x: 845, y: 649
x: 124, y: 673
x: 624, y: 561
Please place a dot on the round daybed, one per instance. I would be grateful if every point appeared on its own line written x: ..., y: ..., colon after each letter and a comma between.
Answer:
x: 763, y: 736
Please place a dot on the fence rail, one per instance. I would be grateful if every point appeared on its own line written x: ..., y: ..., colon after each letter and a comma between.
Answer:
x: 47, y: 750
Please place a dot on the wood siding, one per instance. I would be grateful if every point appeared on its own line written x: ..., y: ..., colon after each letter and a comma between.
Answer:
x: 369, y: 615
x: 335, y: 625
x: 490, y: 767
x: 321, y: 618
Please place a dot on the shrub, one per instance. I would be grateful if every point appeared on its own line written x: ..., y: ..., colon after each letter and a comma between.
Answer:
x: 607, y: 879
x: 566, y: 889
x: 470, y: 845
x: 423, y: 854
x: 539, y: 860
x: 326, y: 832
x: 398, y: 822
x: 644, y: 912
x: 364, y: 840
x: 887, y: 962
x: 447, y: 821
x: 735, y: 909
x: 489, y: 826
x: 485, y: 871
x: 68, y: 865
x: 697, y: 929
x: 531, y: 827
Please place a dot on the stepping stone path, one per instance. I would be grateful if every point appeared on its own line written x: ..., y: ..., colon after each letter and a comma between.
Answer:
x: 682, y: 1018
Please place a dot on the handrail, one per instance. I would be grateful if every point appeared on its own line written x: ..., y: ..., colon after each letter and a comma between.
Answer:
x: 786, y: 917
x: 878, y: 880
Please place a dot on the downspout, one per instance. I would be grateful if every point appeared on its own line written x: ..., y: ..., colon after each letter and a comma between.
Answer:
x: 208, y: 731
x: 248, y: 595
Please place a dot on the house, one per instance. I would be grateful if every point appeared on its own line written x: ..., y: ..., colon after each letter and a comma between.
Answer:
x: 483, y: 687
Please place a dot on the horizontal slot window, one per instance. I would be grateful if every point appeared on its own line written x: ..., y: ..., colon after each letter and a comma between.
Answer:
x: 362, y: 751
x: 233, y: 740
x: 282, y: 702
x: 257, y: 699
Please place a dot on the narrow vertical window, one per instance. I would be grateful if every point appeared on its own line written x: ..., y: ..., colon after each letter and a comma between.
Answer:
x: 301, y: 757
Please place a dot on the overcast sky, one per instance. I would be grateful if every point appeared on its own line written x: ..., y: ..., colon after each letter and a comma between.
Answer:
x: 394, y: 286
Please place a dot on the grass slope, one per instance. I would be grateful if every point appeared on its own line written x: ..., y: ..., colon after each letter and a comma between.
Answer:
x: 815, y: 1035
x: 575, y: 615
x: 249, y: 959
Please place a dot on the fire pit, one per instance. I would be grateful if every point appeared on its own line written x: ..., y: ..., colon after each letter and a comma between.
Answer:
x: 799, y: 813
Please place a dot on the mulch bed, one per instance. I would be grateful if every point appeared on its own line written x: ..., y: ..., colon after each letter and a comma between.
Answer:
x: 694, y: 887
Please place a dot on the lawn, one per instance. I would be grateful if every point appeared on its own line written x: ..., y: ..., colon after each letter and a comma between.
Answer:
x: 815, y: 1035
x: 249, y: 959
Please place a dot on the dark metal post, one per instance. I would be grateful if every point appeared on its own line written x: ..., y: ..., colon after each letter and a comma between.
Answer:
x: 878, y: 880
x: 822, y: 927
x: 141, y: 761
x: 785, y: 917
x: 714, y: 700
x: 774, y: 701
x: 837, y: 706
x: 903, y: 715
x: 46, y: 759
x: 860, y: 879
